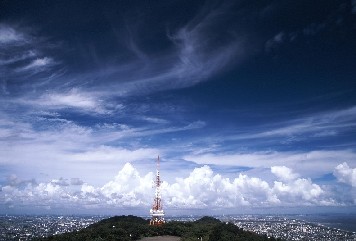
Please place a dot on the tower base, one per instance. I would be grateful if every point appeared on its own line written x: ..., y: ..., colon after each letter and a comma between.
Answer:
x: 157, y: 217
x: 156, y: 222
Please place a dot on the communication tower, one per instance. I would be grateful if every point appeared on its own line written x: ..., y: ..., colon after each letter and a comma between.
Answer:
x: 157, y: 213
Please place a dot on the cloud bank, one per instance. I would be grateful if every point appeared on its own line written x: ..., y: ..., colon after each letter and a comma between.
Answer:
x: 201, y: 189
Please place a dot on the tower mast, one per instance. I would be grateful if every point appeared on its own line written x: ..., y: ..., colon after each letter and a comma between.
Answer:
x: 157, y: 213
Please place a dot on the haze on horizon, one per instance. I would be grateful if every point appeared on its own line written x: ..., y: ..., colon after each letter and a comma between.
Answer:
x: 250, y: 104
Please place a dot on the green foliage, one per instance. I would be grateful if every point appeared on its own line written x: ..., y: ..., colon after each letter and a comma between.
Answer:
x: 125, y: 228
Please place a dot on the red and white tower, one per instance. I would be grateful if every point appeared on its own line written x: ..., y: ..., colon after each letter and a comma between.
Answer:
x: 157, y: 213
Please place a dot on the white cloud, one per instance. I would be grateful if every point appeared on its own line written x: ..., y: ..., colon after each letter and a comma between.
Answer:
x: 73, y: 98
x: 76, y: 181
x: 310, y: 163
x: 63, y: 148
x: 129, y: 188
x: 322, y: 124
x: 105, y: 154
x: 155, y: 120
x: 300, y: 190
x: 289, y: 37
x: 44, y: 190
x: 24, y: 59
x: 345, y: 174
x: 116, y: 132
x: 198, y: 59
x: 204, y: 189
x: 9, y: 35
x: 82, y: 101
x: 195, y: 58
x: 86, y: 188
x: 16, y: 57
x: 39, y: 64
x: 201, y: 189
x: 284, y: 173
x: 272, y: 43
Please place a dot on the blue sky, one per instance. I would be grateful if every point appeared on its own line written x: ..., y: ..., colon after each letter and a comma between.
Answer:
x: 250, y: 104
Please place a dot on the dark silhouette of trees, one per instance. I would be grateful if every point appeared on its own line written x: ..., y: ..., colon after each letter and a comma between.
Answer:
x: 125, y: 228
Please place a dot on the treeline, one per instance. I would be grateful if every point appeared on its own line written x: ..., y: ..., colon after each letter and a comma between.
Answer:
x: 127, y: 228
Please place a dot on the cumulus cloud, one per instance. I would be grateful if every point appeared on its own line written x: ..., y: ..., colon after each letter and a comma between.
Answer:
x: 76, y: 181
x: 128, y: 188
x: 60, y: 182
x: 345, y: 174
x: 284, y: 173
x: 292, y: 188
x: 202, y: 188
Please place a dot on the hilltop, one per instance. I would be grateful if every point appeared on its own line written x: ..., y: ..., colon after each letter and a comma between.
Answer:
x: 134, y: 228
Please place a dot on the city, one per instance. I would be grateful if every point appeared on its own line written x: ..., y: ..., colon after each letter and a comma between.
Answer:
x: 290, y: 229
x: 29, y: 227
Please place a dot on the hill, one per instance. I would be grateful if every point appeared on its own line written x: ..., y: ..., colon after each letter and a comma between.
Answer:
x: 126, y: 228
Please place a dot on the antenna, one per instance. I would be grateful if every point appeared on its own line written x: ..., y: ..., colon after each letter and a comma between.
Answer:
x: 157, y: 213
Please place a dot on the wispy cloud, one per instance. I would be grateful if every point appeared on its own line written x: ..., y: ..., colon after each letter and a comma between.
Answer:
x: 73, y: 98
x: 62, y: 148
x: 155, y: 120
x: 198, y: 59
x: 329, y: 22
x: 123, y: 132
x: 18, y: 57
x: 322, y: 124
x: 9, y: 35
x: 311, y: 163
x: 193, y: 57
x: 48, y: 139
x: 24, y: 59
x: 39, y: 63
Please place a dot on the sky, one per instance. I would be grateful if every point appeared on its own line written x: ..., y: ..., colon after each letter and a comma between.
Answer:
x: 251, y: 106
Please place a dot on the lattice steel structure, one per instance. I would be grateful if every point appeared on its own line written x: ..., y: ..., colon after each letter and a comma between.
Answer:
x: 157, y: 213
